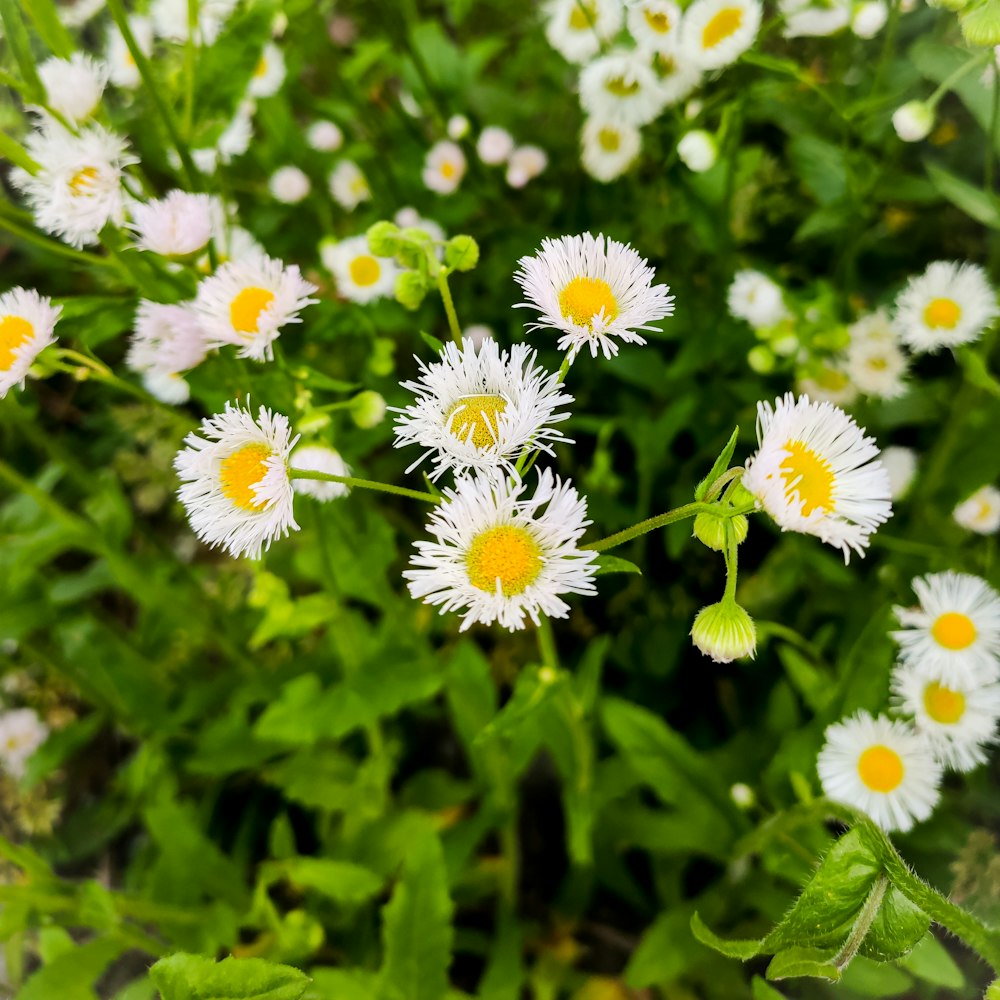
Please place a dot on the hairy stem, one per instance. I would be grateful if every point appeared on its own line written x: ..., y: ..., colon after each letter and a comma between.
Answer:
x: 662, y: 520
x: 449, y: 305
x: 364, y: 484
x: 863, y: 924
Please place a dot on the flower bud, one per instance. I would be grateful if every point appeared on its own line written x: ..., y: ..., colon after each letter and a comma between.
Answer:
x: 383, y: 239
x: 367, y: 409
x: 698, y: 150
x: 410, y: 289
x: 710, y: 530
x: 913, y: 121
x: 461, y: 253
x: 869, y: 18
x: 761, y: 359
x: 725, y: 632
x: 742, y: 795
x: 458, y: 127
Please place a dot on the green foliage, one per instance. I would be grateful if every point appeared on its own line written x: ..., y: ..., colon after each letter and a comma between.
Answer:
x: 192, y: 977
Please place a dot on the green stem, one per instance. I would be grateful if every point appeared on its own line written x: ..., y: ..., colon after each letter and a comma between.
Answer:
x: 729, y: 596
x: 190, y: 54
x: 991, y: 147
x: 662, y: 520
x: 862, y: 925
x: 547, y: 644
x: 449, y: 305
x: 364, y: 484
x: 949, y: 81
x: 36, y: 239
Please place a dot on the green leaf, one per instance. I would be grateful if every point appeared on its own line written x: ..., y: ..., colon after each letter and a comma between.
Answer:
x: 432, y: 342
x: 194, y: 977
x: 666, y: 950
x: 20, y: 44
x: 613, y: 564
x: 760, y: 989
x: 872, y: 979
x: 45, y: 17
x: 896, y: 929
x: 340, y: 880
x: 975, y: 202
x: 742, y: 950
x: 931, y: 962
x: 71, y: 975
x: 821, y: 165
x: 809, y: 962
x: 15, y: 152
x: 504, y: 975
x: 340, y: 984
x: 718, y: 468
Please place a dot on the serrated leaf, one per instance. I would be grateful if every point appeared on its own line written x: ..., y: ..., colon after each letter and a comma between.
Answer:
x: 194, y: 977
x: 613, y: 564
x: 719, y: 466
x: 896, y: 929
x: 808, y: 962
x: 741, y: 949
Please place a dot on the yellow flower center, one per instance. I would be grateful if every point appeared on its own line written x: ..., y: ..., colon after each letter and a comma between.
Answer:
x: 724, y: 24
x: 942, y: 313
x: 609, y: 139
x: 943, y: 705
x: 953, y: 630
x: 621, y: 87
x: 658, y: 22
x: 245, y: 309
x: 507, y: 555
x: 476, y: 419
x: 82, y: 180
x: 664, y: 65
x: 359, y: 186
x: 880, y: 768
x: 878, y: 363
x: 12, y: 743
x: 983, y: 511
x: 243, y: 470
x: 810, y: 474
x: 261, y: 67
x: 448, y: 170
x: 832, y: 380
x: 14, y: 331
x: 365, y: 270
x: 582, y: 16
x: 583, y: 298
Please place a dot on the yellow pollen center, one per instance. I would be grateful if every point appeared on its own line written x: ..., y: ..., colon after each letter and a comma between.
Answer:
x: 581, y: 17
x: 943, y: 705
x: 878, y: 364
x: 82, y: 180
x: 583, y: 298
x: 14, y: 331
x: 609, y: 139
x: 476, y: 419
x: 983, y: 511
x: 261, y: 67
x: 359, y: 186
x: 953, y: 630
x: 658, y: 22
x: 880, y: 768
x: 241, y: 471
x: 621, y: 87
x: 810, y: 475
x: 448, y: 170
x: 365, y: 270
x: 507, y: 555
x: 724, y: 24
x: 664, y: 65
x: 245, y: 309
x: 12, y: 743
x: 942, y: 313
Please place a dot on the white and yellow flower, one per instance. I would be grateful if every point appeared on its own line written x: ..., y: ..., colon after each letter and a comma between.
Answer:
x: 676, y: 76
x: 320, y: 458
x: 73, y: 86
x: 607, y: 148
x: 348, y: 185
x: 22, y: 732
x: 754, y: 297
x: 622, y: 87
x: 176, y: 225
x: 881, y: 767
x: 167, y: 341
x: 654, y: 24
x: 815, y: 472
x: 27, y: 320
x: 877, y: 368
x: 980, y: 512
x: 525, y: 164
x: 121, y: 66
x: 499, y: 557
x: 444, y: 167
x: 876, y: 326
x: 954, y: 633
x: 593, y: 290
x: 361, y: 276
x: 234, y: 480
x: 269, y: 73
x: 715, y: 33
x: 247, y: 302
x: 827, y: 382
x: 577, y: 28
x: 480, y: 408
x: 949, y: 304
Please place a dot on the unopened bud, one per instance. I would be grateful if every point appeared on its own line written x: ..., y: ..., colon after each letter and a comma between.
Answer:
x: 367, y: 409
x: 725, y: 632
x: 710, y: 530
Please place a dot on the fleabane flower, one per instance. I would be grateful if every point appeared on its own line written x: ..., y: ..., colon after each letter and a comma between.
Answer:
x: 654, y: 24
x: 78, y: 188
x: 289, y: 185
x: 170, y: 19
x: 698, y: 150
x: 901, y: 465
x: 361, y: 276
x: 320, y: 458
x: 234, y: 480
x: 494, y: 145
x: 27, y: 320
x: 809, y: 19
x: 949, y: 304
x: 815, y: 472
x: 73, y: 86
x: 325, y: 137
x: 174, y: 226
x: 594, y: 290
x: 576, y: 29
x: 754, y: 297
x: 877, y: 368
x: 122, y: 69
x: 247, y: 302
x: 954, y: 633
x: 498, y: 556
x: 525, y: 164
x: 607, y: 148
x: 715, y: 33
x: 167, y: 340
x: 827, y: 382
x: 444, y: 167
x: 480, y: 408
x: 913, y: 121
x: 22, y: 732
x: 873, y: 327
x: 869, y: 18
x: 980, y: 512
x: 676, y: 75
x: 622, y: 87
x: 958, y: 719
x: 269, y: 73
x: 348, y: 185
x: 881, y: 767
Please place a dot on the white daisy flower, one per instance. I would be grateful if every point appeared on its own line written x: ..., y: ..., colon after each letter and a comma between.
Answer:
x: 234, y: 480
x: 827, y: 382
x: 27, y: 320
x: 913, y: 121
x: 698, y: 150
x: 458, y: 127
x: 608, y: 148
x: 807, y: 18
x: 676, y: 76
x: 949, y: 304
x: 269, y: 74
x: 980, y: 512
x: 876, y: 326
x: 715, y: 33
x: 654, y: 24
x: 320, y: 458
x: 166, y: 341
x: 959, y: 720
x: 247, y: 302
x: 901, y: 465
x: 73, y: 86
x: 76, y: 13
x: 881, y: 767
x: 525, y: 164
x: 444, y: 167
x: 621, y: 86
x: 499, y: 557
x: 480, y: 409
x: 494, y: 145
x: 78, y: 188
x: 869, y: 18
x: 289, y: 185
x: 576, y: 29
x: 361, y: 276
x: 594, y: 290
x: 174, y: 226
x: 954, y: 633
x: 325, y: 137
x: 815, y: 472
x: 121, y: 66
x: 170, y: 19
x: 754, y: 297
x: 22, y: 732
x: 348, y: 185
x: 409, y: 218
x: 877, y: 368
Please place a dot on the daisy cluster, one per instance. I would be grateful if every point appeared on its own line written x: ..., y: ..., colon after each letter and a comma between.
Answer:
x: 945, y: 706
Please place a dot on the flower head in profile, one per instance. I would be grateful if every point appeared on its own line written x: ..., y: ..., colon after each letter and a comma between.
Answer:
x: 166, y: 342
x: 234, y: 480
x: 882, y: 767
x: 980, y: 512
x: 622, y: 87
x: 73, y: 86
x: 248, y: 301
x: 715, y: 33
x: 676, y: 75
x: 754, y: 297
x: 499, y: 556
x: 817, y: 473
x: 122, y: 68
x: 596, y: 291
x: 877, y: 368
x: 27, y: 320
x: 577, y: 28
x: 22, y: 732
x: 444, y: 167
x: 269, y: 73
x: 348, y: 185
x: 320, y: 458
x: 607, y: 148
x: 525, y: 164
x: 176, y: 225
x: 480, y: 408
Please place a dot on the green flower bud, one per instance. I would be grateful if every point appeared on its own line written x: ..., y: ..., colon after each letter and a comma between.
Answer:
x: 761, y: 359
x: 382, y: 362
x: 383, y: 239
x: 410, y: 289
x: 725, y: 632
x: 710, y: 530
x: 461, y: 253
x: 740, y: 496
x: 367, y: 409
